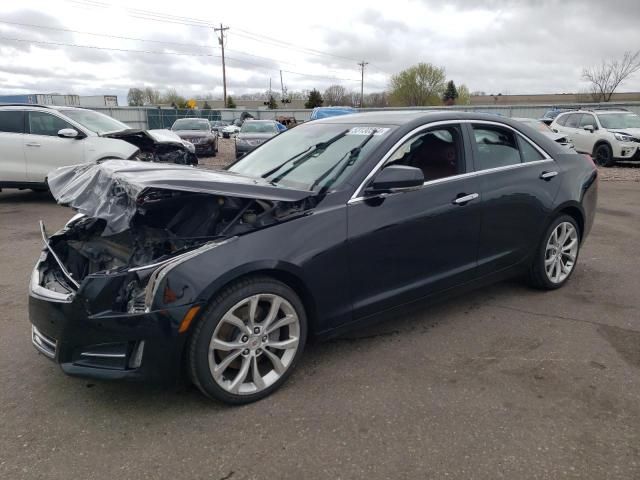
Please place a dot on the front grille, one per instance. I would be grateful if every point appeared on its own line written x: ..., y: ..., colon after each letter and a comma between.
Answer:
x: 43, y: 343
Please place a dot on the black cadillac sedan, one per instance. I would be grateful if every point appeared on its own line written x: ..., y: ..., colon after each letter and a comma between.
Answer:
x: 221, y: 277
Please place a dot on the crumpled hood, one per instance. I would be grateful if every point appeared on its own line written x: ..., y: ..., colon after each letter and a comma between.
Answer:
x: 111, y: 190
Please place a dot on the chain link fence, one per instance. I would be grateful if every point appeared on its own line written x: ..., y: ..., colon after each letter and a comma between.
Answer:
x: 150, y: 117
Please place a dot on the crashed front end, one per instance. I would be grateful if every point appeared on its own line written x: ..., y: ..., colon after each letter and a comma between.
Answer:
x: 100, y: 298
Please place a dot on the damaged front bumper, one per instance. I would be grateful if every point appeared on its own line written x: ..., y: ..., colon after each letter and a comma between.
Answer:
x: 75, y: 331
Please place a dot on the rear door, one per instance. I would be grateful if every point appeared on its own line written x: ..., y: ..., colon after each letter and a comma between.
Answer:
x: 12, y: 161
x: 518, y: 184
x: 45, y: 150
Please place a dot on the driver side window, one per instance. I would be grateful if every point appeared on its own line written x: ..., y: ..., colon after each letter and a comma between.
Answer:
x: 438, y: 153
x: 41, y: 123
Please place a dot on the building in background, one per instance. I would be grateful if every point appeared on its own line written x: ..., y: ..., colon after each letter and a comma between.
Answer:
x: 62, y: 100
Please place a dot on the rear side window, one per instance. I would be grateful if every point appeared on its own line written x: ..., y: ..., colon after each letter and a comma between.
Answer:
x: 562, y: 120
x: 495, y: 147
x: 573, y: 121
x: 41, y: 123
x: 529, y: 152
x: 11, y: 121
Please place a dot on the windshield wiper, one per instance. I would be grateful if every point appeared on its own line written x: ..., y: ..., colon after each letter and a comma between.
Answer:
x: 351, y: 157
x: 304, y: 155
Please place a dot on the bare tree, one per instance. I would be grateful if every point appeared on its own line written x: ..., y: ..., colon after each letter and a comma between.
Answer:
x: 335, y: 95
x: 607, y: 77
x: 151, y: 96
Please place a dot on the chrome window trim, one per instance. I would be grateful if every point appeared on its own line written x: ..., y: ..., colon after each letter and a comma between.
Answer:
x: 356, y: 197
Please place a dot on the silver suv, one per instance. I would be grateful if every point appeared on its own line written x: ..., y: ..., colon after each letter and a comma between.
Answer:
x: 608, y: 135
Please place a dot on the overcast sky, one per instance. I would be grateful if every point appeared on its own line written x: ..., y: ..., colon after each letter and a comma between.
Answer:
x: 505, y: 46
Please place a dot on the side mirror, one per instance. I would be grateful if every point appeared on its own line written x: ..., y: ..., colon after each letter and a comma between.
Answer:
x: 68, y: 133
x: 589, y: 128
x: 396, y: 178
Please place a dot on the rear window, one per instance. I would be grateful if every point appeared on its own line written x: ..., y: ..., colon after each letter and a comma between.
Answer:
x: 562, y: 119
x: 11, y: 121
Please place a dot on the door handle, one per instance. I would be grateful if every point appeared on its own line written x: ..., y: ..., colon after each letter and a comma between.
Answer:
x: 548, y: 175
x: 33, y: 144
x: 463, y: 199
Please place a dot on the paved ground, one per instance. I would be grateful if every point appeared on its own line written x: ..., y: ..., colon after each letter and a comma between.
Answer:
x: 505, y: 382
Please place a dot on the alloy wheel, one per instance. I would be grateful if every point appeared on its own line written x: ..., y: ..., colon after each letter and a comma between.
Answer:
x: 561, y: 252
x: 254, y: 344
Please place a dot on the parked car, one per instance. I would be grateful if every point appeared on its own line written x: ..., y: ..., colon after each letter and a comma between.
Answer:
x: 608, y: 135
x: 326, y: 112
x: 35, y: 139
x: 254, y: 133
x: 225, y: 274
x: 197, y: 131
x: 229, y: 130
x: 546, y: 130
x: 550, y: 115
x: 217, y: 126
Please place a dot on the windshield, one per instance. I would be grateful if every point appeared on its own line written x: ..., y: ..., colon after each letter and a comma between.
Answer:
x: 258, y: 127
x: 298, y: 158
x: 189, y: 124
x: 96, y: 122
x: 619, y: 120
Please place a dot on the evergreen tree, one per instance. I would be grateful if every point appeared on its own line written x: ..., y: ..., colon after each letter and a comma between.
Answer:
x: 272, y: 104
x: 314, y: 100
x: 230, y: 103
x: 450, y: 94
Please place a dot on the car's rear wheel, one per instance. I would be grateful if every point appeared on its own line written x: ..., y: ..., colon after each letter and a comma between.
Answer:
x: 603, y: 155
x: 557, y: 254
x: 248, y: 341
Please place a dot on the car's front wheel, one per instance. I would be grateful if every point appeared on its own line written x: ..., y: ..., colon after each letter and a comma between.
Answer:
x: 604, y: 155
x: 557, y: 254
x: 247, y: 341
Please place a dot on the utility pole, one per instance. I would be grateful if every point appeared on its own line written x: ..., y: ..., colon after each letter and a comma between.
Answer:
x: 362, y: 65
x: 224, y: 70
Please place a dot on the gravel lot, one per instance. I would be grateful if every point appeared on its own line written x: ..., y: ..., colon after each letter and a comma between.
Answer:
x: 505, y: 382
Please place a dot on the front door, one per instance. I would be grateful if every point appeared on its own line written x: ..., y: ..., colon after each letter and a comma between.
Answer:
x: 44, y: 150
x: 407, y: 245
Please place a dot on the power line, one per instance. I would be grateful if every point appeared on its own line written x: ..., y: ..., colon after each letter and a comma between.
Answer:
x: 42, y: 42
x: 162, y: 42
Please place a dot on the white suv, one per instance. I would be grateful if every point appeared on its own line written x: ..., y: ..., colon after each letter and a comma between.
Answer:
x: 37, y: 139
x: 607, y: 135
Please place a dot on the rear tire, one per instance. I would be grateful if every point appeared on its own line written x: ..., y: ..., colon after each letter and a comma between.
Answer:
x: 247, y: 341
x: 603, y: 155
x: 557, y: 255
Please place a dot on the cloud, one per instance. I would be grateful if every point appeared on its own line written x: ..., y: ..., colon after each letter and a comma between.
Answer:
x: 507, y: 46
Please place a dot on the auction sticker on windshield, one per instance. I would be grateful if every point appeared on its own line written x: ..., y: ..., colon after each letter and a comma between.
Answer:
x: 367, y: 131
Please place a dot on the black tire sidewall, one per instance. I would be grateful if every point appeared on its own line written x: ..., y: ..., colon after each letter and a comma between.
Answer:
x: 199, y: 347
x: 609, y: 162
x: 539, y: 270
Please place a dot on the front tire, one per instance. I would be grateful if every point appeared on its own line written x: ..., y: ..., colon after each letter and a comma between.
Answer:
x: 603, y: 155
x: 557, y: 254
x: 248, y: 341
